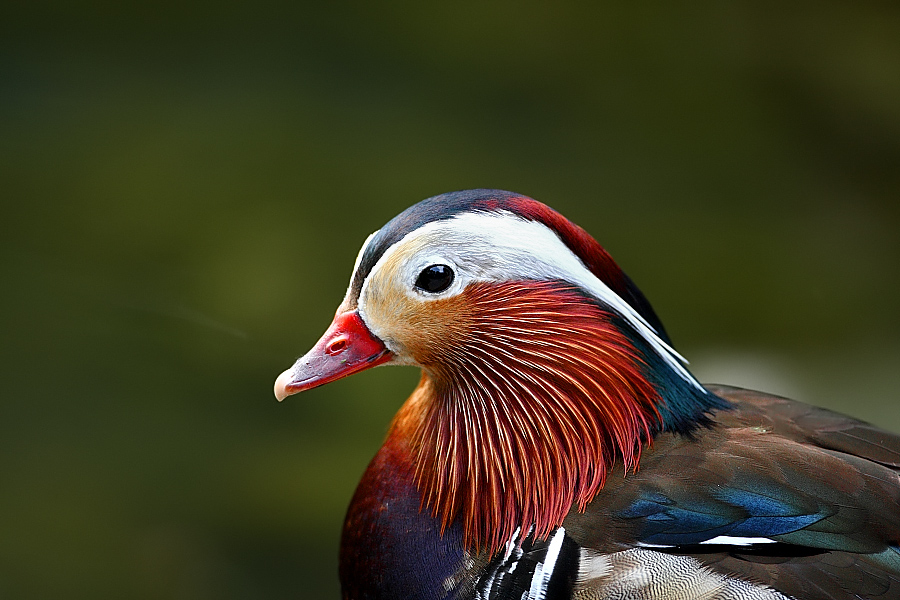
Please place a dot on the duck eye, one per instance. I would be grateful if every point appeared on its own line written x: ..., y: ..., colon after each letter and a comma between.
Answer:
x: 435, y: 278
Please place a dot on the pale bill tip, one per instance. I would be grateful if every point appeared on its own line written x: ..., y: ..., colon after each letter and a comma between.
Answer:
x: 281, y: 391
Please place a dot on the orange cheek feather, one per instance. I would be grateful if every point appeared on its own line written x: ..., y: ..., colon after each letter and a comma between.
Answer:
x: 423, y: 330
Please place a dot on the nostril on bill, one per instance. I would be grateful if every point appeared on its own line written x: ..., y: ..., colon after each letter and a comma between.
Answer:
x: 337, y: 346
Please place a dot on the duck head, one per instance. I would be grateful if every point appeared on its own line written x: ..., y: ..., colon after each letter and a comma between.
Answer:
x: 542, y: 362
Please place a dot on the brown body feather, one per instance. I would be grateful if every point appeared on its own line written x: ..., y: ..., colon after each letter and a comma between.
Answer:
x: 844, y: 469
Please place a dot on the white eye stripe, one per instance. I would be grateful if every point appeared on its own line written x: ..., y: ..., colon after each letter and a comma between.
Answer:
x: 359, y: 257
x: 500, y: 246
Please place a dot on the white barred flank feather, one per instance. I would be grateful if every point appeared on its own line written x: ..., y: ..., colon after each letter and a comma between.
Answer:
x: 649, y: 575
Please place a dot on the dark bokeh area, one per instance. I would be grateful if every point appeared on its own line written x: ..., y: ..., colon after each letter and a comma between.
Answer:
x: 185, y: 187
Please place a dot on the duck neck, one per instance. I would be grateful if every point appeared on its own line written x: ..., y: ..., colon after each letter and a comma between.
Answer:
x: 524, y: 425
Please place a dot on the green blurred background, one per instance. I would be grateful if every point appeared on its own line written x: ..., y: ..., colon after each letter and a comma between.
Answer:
x: 185, y: 186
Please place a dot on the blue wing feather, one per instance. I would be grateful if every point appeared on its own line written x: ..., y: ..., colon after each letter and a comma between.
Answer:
x: 729, y: 512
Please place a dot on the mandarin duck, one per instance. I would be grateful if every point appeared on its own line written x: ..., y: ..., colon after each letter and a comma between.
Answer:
x: 557, y: 446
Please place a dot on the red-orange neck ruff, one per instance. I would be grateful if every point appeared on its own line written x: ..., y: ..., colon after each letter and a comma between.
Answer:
x: 522, y: 409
